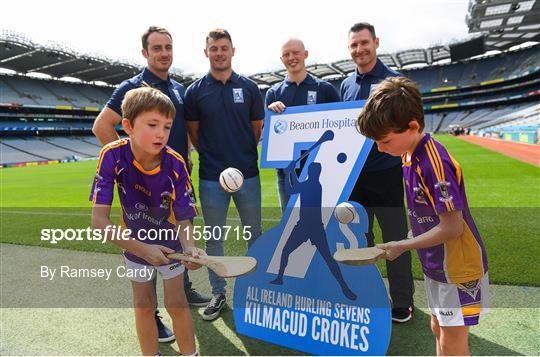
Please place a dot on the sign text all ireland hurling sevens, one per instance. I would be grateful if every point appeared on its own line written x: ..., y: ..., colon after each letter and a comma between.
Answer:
x: 300, y: 297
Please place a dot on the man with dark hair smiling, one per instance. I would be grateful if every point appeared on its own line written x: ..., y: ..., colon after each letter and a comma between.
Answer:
x: 224, y: 113
x: 380, y: 185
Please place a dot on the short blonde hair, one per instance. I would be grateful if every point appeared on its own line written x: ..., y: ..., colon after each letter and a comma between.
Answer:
x: 144, y: 99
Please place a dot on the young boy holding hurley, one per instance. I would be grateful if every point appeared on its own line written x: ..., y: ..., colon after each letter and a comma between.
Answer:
x: 449, y: 246
x: 155, y: 194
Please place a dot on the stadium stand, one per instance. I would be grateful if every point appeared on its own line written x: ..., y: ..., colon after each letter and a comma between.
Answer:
x: 74, y: 144
x: 479, y: 118
x: 524, y: 115
x: 24, y: 149
x: 519, y: 124
x: 91, y: 140
x: 12, y: 155
x: 34, y: 126
x: 32, y: 91
x: 41, y: 147
x: 495, y: 94
x: 464, y: 74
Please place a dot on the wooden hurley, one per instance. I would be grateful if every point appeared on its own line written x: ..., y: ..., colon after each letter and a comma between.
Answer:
x: 359, y: 256
x: 225, y: 267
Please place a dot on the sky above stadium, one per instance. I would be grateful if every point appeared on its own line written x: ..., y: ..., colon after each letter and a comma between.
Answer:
x: 258, y: 28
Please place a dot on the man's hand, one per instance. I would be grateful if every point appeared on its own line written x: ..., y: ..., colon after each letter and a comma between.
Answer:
x: 195, y: 253
x: 393, y: 249
x: 277, y: 107
x: 155, y: 254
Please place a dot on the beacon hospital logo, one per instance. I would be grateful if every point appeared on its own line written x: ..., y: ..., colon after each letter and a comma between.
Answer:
x: 300, y: 297
x: 280, y: 126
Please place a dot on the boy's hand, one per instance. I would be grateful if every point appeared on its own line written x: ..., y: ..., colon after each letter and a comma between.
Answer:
x: 155, y: 254
x: 393, y: 249
x: 194, y: 252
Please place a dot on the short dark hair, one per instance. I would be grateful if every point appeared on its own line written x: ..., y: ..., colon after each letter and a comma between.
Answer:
x: 151, y: 30
x: 218, y: 34
x: 394, y: 103
x: 145, y: 99
x: 359, y: 26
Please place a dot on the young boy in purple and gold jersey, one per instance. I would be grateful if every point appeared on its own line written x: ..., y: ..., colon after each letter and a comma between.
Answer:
x: 449, y: 246
x: 156, y: 197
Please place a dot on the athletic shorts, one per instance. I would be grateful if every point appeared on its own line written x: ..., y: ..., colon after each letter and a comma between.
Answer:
x: 458, y: 304
x: 142, y: 273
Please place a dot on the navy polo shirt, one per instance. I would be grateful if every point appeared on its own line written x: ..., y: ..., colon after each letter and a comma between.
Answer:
x: 310, y: 91
x: 358, y: 86
x: 225, y: 112
x: 174, y: 90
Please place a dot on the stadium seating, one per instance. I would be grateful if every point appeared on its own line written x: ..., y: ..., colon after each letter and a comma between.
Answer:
x: 74, y: 95
x: 475, y: 71
x: 90, y: 140
x: 22, y: 149
x: 32, y: 91
x: 44, y: 125
x: 98, y: 96
x: 455, y: 95
x: 523, y: 115
x: 480, y: 118
x: 74, y: 144
x: 10, y: 155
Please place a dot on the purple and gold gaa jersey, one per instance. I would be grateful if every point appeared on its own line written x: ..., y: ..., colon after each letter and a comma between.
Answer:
x: 434, y: 185
x: 152, y: 201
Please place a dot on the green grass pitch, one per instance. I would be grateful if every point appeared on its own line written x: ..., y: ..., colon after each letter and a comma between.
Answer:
x: 504, y: 195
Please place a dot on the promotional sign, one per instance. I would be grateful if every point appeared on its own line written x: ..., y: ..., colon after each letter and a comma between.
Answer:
x: 300, y: 297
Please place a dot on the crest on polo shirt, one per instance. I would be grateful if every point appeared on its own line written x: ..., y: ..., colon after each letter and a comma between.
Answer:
x: 178, y: 96
x: 419, y: 196
x: 165, y: 200
x: 373, y: 87
x: 311, y: 97
x: 442, y: 186
x: 238, y: 95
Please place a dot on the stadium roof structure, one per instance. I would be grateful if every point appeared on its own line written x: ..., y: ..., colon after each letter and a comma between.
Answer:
x: 343, y: 68
x: 505, y: 23
x: 20, y: 54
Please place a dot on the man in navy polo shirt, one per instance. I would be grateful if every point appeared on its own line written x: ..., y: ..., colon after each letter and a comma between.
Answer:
x: 298, y: 88
x: 224, y: 113
x: 380, y: 185
x: 158, y: 51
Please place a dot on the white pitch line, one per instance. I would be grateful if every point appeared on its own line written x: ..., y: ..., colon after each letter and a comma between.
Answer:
x: 235, y: 219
